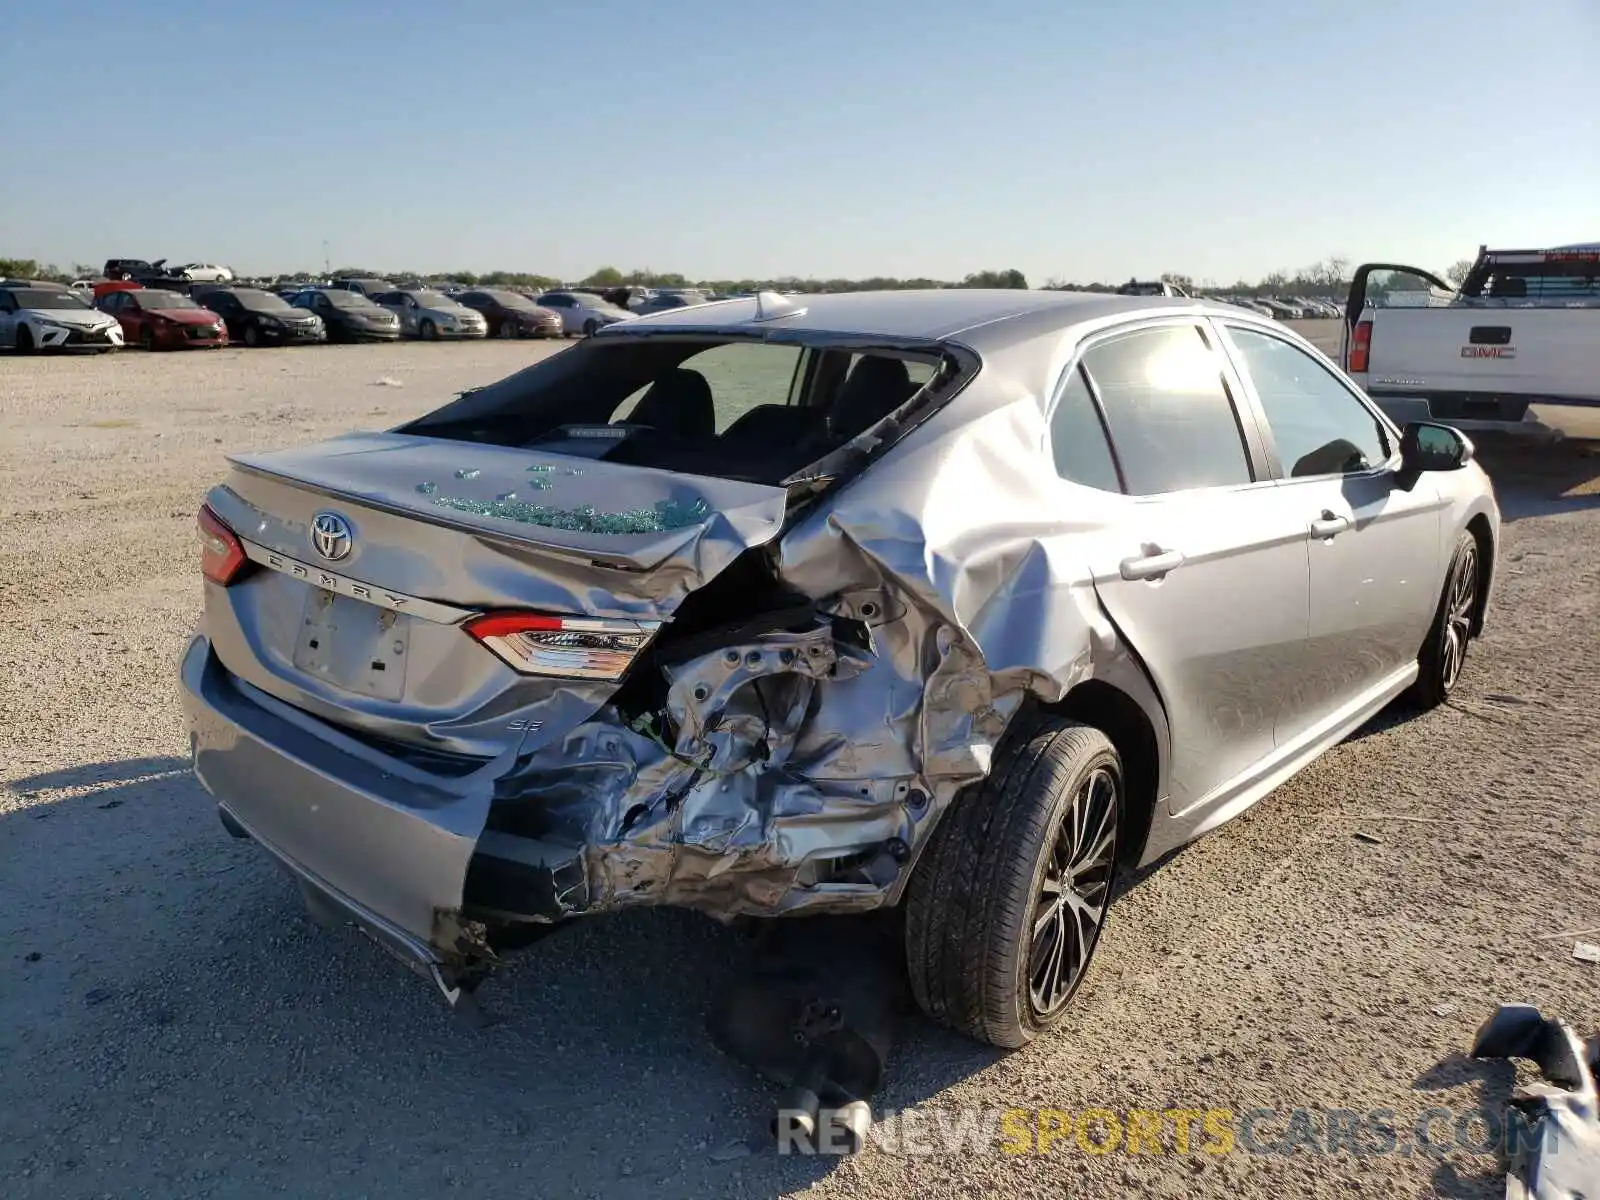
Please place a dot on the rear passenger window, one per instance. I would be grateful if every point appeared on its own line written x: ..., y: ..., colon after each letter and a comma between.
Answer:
x: 1078, y: 440
x: 918, y: 371
x: 1171, y: 420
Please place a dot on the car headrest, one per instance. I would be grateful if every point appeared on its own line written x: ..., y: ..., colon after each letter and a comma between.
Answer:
x: 679, y: 403
x: 875, y: 387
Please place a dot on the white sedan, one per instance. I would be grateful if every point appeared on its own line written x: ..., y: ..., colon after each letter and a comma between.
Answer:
x: 206, y: 273
x: 582, y: 312
x: 38, y: 318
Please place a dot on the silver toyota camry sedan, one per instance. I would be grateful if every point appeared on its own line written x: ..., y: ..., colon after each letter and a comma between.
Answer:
x: 951, y: 601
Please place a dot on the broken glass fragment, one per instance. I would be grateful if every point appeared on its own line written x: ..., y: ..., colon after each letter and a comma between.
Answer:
x: 467, y: 473
x: 427, y: 489
x: 664, y: 515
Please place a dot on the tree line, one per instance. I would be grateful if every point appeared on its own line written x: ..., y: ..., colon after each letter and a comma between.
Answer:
x: 1329, y: 277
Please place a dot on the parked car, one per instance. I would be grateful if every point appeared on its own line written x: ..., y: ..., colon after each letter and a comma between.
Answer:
x: 259, y: 318
x: 156, y: 319
x: 686, y: 616
x: 511, y: 315
x: 125, y: 268
x: 349, y: 316
x: 431, y: 315
x: 105, y: 287
x: 53, y: 318
x: 370, y: 288
x: 147, y: 274
x: 48, y: 285
x: 1152, y: 287
x: 1312, y: 308
x: 666, y: 301
x: 206, y: 273
x: 1259, y: 307
x: 1277, y: 308
x: 582, y: 312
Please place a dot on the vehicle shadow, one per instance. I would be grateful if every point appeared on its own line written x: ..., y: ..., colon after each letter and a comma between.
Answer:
x: 1541, y: 481
x: 185, y: 1026
x: 1496, y: 1081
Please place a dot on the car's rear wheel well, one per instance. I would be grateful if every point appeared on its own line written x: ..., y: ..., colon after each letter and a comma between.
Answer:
x: 1478, y: 527
x: 1117, y: 715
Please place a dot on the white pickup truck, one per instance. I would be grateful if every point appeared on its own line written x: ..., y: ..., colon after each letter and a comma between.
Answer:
x: 1523, y: 329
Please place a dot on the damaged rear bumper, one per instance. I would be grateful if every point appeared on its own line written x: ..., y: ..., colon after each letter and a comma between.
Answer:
x: 381, y: 843
x: 754, y: 804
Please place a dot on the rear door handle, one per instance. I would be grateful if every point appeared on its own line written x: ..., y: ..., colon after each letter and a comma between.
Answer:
x: 1329, y: 525
x: 1151, y: 565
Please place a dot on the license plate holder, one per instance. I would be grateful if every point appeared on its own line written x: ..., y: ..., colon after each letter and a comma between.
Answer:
x: 354, y: 646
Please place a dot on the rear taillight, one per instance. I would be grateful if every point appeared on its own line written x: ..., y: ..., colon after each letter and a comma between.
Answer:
x: 221, y: 553
x: 570, y: 647
x: 1360, y: 348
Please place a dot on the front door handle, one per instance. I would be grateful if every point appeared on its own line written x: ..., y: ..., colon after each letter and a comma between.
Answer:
x: 1152, y: 564
x: 1329, y: 525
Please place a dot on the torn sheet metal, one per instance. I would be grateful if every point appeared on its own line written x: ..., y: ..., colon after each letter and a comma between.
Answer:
x: 749, y: 788
x: 1555, y: 1153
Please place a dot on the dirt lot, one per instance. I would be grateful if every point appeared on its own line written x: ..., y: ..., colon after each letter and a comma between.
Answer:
x: 171, y: 1024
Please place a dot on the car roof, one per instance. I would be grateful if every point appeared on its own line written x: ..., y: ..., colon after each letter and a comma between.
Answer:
x: 981, y: 318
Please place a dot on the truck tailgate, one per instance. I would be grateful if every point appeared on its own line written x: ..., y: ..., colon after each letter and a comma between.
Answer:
x: 1536, y: 355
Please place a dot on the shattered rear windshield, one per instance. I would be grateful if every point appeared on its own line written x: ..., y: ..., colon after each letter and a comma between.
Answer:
x: 726, y: 407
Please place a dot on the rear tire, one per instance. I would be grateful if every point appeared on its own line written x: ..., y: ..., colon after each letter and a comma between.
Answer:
x: 1006, y: 906
x: 1444, y: 651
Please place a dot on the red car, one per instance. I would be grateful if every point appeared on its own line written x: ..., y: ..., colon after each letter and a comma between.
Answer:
x: 156, y: 319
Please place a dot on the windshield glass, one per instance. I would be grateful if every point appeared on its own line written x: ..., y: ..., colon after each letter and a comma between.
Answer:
x: 511, y: 300
x: 261, y: 301
x: 348, y: 300
x: 157, y: 299
x: 46, y: 298
x: 732, y: 408
x: 432, y: 299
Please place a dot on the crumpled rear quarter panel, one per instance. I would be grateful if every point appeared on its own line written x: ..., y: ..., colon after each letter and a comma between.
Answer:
x: 955, y: 561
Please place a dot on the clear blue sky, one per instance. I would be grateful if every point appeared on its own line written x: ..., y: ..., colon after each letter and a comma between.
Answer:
x: 1084, y: 140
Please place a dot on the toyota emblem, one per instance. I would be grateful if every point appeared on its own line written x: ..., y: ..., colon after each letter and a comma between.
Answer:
x: 331, y: 536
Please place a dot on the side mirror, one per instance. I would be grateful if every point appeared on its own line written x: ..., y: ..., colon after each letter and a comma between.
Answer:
x: 1425, y: 446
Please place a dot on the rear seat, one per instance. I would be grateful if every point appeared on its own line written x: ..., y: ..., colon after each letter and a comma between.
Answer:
x: 782, y: 438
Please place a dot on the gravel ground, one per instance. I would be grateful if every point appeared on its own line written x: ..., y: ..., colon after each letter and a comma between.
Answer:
x: 173, y: 1025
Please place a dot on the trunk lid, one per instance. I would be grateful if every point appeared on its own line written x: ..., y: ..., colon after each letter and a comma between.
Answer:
x: 364, y: 628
